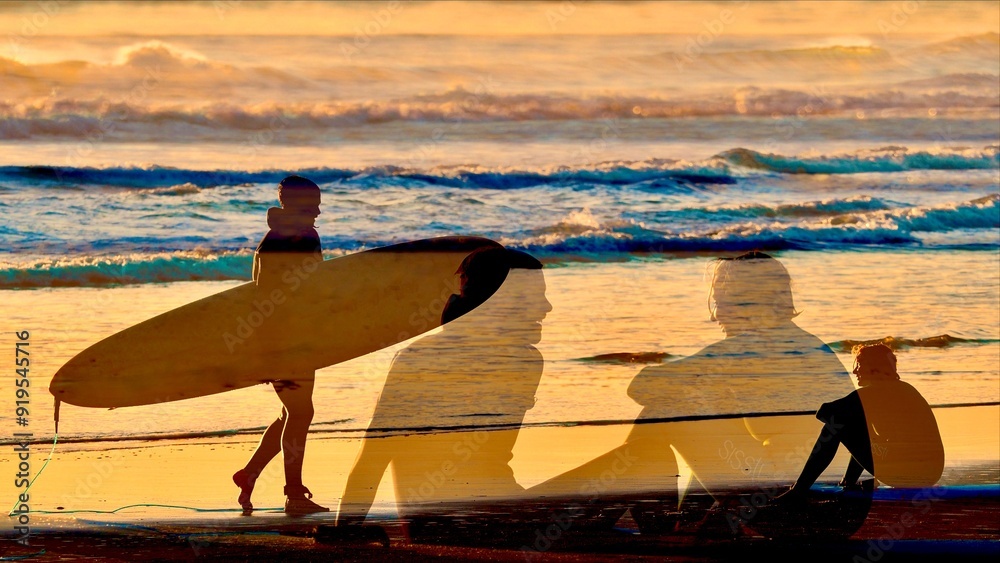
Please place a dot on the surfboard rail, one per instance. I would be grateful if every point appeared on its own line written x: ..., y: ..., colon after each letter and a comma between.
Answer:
x: 318, y: 314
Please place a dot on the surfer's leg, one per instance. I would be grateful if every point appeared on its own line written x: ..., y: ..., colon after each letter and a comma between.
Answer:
x: 299, y: 408
x: 858, y: 442
x: 297, y: 400
x: 822, y: 455
x: 844, y: 422
x: 269, y: 446
x: 853, y: 436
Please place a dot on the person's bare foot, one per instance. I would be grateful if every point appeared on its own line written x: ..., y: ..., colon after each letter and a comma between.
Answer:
x: 245, y: 481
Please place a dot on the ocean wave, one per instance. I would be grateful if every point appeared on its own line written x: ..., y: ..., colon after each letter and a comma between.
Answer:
x: 824, y: 208
x: 966, y: 81
x: 615, y: 241
x: 128, y: 269
x: 187, y: 188
x: 857, y: 58
x: 725, y: 168
x: 628, y: 358
x: 579, y: 236
x: 985, y: 45
x: 173, y: 181
x: 894, y: 342
x: 980, y: 213
x: 167, y: 181
x: 901, y: 160
x: 601, y: 245
x: 108, y: 119
x: 902, y: 343
x: 821, y: 226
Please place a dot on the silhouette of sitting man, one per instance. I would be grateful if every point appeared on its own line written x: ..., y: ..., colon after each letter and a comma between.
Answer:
x: 765, y: 363
x: 886, y: 425
x: 291, y: 240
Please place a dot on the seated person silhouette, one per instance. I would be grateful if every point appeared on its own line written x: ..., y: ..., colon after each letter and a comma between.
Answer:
x: 453, y: 402
x: 886, y: 425
x: 765, y: 364
x: 290, y: 241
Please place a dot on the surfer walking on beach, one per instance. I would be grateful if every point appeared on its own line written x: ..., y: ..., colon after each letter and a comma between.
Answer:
x: 290, y: 241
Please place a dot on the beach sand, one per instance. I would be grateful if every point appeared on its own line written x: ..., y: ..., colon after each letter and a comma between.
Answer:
x: 174, y: 500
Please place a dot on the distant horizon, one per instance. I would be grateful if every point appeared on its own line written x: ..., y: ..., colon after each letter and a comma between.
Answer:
x: 923, y: 34
x: 229, y: 17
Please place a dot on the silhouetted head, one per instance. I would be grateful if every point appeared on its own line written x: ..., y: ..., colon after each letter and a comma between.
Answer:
x: 512, y: 283
x: 874, y: 362
x: 750, y: 291
x: 300, y: 199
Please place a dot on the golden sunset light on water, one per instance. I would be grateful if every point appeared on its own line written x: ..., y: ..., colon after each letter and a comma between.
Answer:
x: 506, y: 280
x: 234, y: 17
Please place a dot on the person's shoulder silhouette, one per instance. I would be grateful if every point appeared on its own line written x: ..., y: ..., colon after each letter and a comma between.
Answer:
x: 291, y: 236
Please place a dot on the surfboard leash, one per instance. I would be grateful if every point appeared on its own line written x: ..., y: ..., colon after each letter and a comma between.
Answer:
x: 55, y: 440
x: 22, y: 557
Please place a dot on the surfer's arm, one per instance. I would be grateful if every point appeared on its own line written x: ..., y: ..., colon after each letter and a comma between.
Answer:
x: 256, y: 267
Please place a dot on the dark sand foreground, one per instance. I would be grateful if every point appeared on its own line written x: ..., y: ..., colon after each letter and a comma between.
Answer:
x: 173, y: 501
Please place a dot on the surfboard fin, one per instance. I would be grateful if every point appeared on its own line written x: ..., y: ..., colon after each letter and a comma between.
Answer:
x: 55, y: 414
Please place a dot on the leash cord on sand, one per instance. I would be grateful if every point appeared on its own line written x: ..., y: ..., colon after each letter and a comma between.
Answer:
x: 55, y: 440
x: 147, y: 505
x: 21, y: 557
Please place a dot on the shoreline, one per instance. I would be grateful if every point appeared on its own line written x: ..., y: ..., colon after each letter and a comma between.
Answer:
x: 956, y: 526
x: 112, y: 503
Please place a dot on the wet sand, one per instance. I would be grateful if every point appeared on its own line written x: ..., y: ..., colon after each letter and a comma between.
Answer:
x: 959, y: 528
x: 174, y: 500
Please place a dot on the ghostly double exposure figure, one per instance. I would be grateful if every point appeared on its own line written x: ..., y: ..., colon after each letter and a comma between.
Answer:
x: 453, y: 402
x: 765, y: 365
